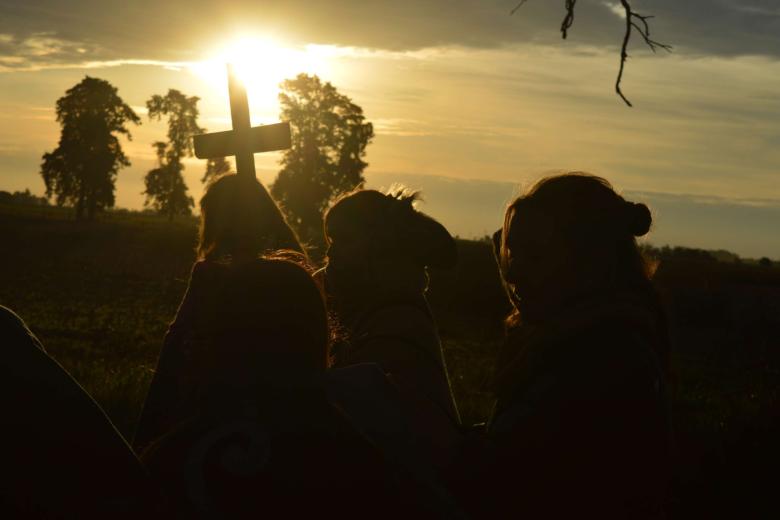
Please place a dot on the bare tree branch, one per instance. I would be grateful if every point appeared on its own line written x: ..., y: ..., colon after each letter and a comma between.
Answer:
x: 644, y: 30
x: 568, y: 19
x: 518, y: 6
x: 634, y: 22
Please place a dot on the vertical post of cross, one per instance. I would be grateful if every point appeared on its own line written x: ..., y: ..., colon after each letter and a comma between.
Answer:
x: 239, y: 113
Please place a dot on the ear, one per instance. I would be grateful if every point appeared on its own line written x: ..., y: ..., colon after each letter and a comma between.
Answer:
x: 431, y: 243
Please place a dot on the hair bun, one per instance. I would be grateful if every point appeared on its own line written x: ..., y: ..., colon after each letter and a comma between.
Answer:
x: 639, y: 218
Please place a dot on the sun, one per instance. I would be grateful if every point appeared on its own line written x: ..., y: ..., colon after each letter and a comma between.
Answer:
x: 262, y: 63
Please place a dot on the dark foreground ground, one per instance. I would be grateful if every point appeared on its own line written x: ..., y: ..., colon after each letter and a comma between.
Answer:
x: 99, y: 296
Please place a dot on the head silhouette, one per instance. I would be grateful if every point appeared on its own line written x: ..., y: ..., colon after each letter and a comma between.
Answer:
x: 569, y: 236
x: 271, y: 327
x: 239, y: 218
x: 380, y: 242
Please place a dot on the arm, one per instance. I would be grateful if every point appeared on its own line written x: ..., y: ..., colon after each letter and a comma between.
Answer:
x: 163, y: 397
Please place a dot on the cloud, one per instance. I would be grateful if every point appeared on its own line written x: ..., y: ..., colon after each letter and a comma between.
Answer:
x: 43, y: 31
x: 474, y: 208
x: 616, y: 8
x: 39, y: 49
x: 44, y: 50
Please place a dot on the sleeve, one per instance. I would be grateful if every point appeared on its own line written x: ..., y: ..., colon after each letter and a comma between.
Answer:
x: 161, y: 405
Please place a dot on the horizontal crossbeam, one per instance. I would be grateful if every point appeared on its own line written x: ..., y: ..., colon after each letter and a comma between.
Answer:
x: 265, y: 138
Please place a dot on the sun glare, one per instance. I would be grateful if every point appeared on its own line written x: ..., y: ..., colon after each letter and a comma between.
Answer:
x: 262, y: 64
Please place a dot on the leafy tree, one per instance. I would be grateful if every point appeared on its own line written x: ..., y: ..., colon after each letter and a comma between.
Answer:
x: 216, y: 167
x: 166, y: 179
x: 166, y: 190
x: 330, y: 136
x: 22, y: 198
x: 82, y: 170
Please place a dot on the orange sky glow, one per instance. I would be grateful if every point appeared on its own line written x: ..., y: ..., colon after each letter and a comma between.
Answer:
x: 704, y: 127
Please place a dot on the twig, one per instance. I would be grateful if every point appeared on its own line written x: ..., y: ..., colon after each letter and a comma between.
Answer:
x: 568, y: 19
x: 634, y: 22
x: 518, y: 6
x: 644, y: 30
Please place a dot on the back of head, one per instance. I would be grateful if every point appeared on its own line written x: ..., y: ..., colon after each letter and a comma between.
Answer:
x: 271, y: 327
x: 382, y: 237
x: 238, y: 216
x: 573, y: 234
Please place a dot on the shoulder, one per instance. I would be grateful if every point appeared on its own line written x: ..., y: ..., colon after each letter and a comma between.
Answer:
x: 207, y: 269
x: 205, y: 279
x: 601, y: 363
x: 206, y: 273
x: 14, y: 330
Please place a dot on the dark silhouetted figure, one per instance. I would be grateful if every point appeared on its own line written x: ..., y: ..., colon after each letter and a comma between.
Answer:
x: 580, y: 426
x: 379, y: 247
x: 262, y: 439
x: 62, y: 456
x: 239, y: 222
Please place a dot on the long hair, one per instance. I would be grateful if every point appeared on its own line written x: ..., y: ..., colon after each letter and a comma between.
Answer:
x: 238, y: 214
x: 271, y: 324
x: 599, y: 229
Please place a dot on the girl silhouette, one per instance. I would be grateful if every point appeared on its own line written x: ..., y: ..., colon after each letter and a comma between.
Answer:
x: 580, y: 424
x: 239, y: 222
x: 260, y: 436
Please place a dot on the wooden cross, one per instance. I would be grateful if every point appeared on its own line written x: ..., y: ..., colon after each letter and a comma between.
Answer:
x: 244, y: 140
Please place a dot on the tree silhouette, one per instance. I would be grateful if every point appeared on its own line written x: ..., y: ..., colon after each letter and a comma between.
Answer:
x: 216, y: 167
x: 166, y: 179
x: 82, y: 170
x: 166, y: 190
x: 22, y: 198
x: 329, y: 140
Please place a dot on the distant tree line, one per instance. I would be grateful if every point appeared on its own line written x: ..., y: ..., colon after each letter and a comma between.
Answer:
x: 22, y: 198
x: 700, y: 256
x: 330, y: 136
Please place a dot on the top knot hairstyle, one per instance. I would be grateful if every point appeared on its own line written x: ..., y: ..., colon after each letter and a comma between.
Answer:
x: 638, y: 218
x: 371, y: 223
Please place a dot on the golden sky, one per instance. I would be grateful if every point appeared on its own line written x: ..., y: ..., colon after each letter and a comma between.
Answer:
x: 468, y: 102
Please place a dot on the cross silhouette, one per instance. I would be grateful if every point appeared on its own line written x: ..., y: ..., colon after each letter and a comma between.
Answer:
x: 244, y: 140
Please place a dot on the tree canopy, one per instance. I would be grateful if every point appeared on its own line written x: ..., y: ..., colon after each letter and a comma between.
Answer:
x: 82, y: 170
x: 166, y: 190
x: 329, y: 139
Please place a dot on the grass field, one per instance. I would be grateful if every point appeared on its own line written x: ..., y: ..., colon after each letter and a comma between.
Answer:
x: 99, y: 295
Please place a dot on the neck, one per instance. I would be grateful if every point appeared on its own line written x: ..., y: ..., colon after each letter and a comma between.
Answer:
x: 352, y: 308
x: 549, y: 305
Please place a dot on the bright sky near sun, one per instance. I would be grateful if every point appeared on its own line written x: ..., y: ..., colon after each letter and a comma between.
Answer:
x: 469, y: 104
x: 262, y: 63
